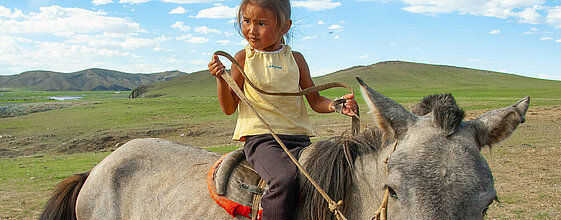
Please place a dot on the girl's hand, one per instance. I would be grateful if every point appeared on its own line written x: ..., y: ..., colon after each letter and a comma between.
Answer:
x: 350, y: 106
x: 215, y: 67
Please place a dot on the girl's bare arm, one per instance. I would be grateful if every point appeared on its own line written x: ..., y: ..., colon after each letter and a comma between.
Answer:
x: 227, y: 99
x: 317, y: 102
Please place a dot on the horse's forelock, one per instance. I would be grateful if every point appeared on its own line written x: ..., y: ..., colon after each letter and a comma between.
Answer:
x: 447, y: 114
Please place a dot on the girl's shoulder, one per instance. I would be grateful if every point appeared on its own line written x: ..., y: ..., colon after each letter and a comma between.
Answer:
x: 298, y: 57
x: 240, y: 56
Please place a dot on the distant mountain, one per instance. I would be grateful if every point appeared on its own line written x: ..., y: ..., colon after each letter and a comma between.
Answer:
x: 391, y: 78
x: 86, y: 80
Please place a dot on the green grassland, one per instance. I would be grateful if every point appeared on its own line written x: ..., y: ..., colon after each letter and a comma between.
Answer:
x: 19, y: 95
x: 37, y: 150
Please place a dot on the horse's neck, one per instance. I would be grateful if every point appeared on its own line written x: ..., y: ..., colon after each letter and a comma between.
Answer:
x: 369, y: 178
x: 368, y: 183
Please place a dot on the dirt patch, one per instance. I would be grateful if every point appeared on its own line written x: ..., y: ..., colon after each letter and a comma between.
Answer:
x: 108, y: 141
x: 20, y: 109
x: 526, y: 168
x: 200, y: 135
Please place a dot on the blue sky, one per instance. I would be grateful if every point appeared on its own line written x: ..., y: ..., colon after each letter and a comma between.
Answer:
x: 521, y: 37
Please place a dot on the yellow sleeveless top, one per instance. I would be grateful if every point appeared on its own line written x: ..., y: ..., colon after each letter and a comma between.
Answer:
x: 275, y: 71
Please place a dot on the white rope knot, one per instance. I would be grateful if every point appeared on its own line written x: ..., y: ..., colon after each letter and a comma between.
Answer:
x: 336, y: 209
x: 335, y: 206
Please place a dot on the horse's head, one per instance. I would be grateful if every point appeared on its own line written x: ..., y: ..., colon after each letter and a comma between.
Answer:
x: 437, y: 170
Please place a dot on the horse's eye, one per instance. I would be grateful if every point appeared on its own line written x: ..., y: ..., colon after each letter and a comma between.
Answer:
x: 392, y: 193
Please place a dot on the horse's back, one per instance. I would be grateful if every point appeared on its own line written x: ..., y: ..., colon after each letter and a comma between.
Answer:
x: 150, y: 179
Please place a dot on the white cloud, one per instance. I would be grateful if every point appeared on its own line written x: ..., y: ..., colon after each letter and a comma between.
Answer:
x: 133, y: 1
x: 547, y: 38
x: 58, y: 57
x: 189, y: 38
x: 206, y: 30
x: 309, y: 37
x: 554, y: 17
x: 180, y: 26
x: 178, y: 10
x: 8, y: 45
x: 24, y: 40
x: 320, y: 22
x: 217, y: 12
x: 525, y: 11
x: 55, y: 19
x: 335, y: 27
x: 101, y: 2
x: 495, y: 32
x: 530, y: 16
x: 197, y: 40
x: 183, y: 37
x: 114, y: 41
x: 316, y: 5
x: 136, y: 43
x: 161, y: 49
x: 7, y: 13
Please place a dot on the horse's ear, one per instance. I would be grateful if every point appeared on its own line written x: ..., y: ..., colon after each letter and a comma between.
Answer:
x: 390, y: 116
x: 494, y: 126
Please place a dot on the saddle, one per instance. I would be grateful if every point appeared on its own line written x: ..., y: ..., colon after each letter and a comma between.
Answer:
x: 235, y: 186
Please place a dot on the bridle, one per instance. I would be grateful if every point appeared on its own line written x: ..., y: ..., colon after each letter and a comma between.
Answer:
x: 382, y: 212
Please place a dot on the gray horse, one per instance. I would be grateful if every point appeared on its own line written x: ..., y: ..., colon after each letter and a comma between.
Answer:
x: 427, y: 160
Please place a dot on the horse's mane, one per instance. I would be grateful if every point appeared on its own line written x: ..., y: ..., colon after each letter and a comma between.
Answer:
x: 330, y: 165
x: 331, y: 162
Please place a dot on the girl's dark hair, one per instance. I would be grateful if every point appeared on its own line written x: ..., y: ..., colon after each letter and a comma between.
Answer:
x: 282, y: 11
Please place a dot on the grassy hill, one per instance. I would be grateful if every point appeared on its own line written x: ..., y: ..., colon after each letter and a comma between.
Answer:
x: 188, y: 85
x: 85, y: 80
x: 392, y: 78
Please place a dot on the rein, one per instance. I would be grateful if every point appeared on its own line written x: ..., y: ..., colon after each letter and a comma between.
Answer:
x: 382, y: 212
x: 334, y: 207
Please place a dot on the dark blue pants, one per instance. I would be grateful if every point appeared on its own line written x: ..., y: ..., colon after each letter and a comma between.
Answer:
x: 270, y: 161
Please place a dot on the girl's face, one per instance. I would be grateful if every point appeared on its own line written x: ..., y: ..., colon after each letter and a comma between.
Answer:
x: 259, y: 27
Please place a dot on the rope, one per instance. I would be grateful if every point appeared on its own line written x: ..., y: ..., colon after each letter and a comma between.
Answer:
x: 334, y: 207
x: 257, y: 200
x: 382, y: 212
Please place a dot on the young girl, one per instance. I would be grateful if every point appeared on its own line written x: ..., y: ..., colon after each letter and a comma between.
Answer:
x: 272, y: 66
